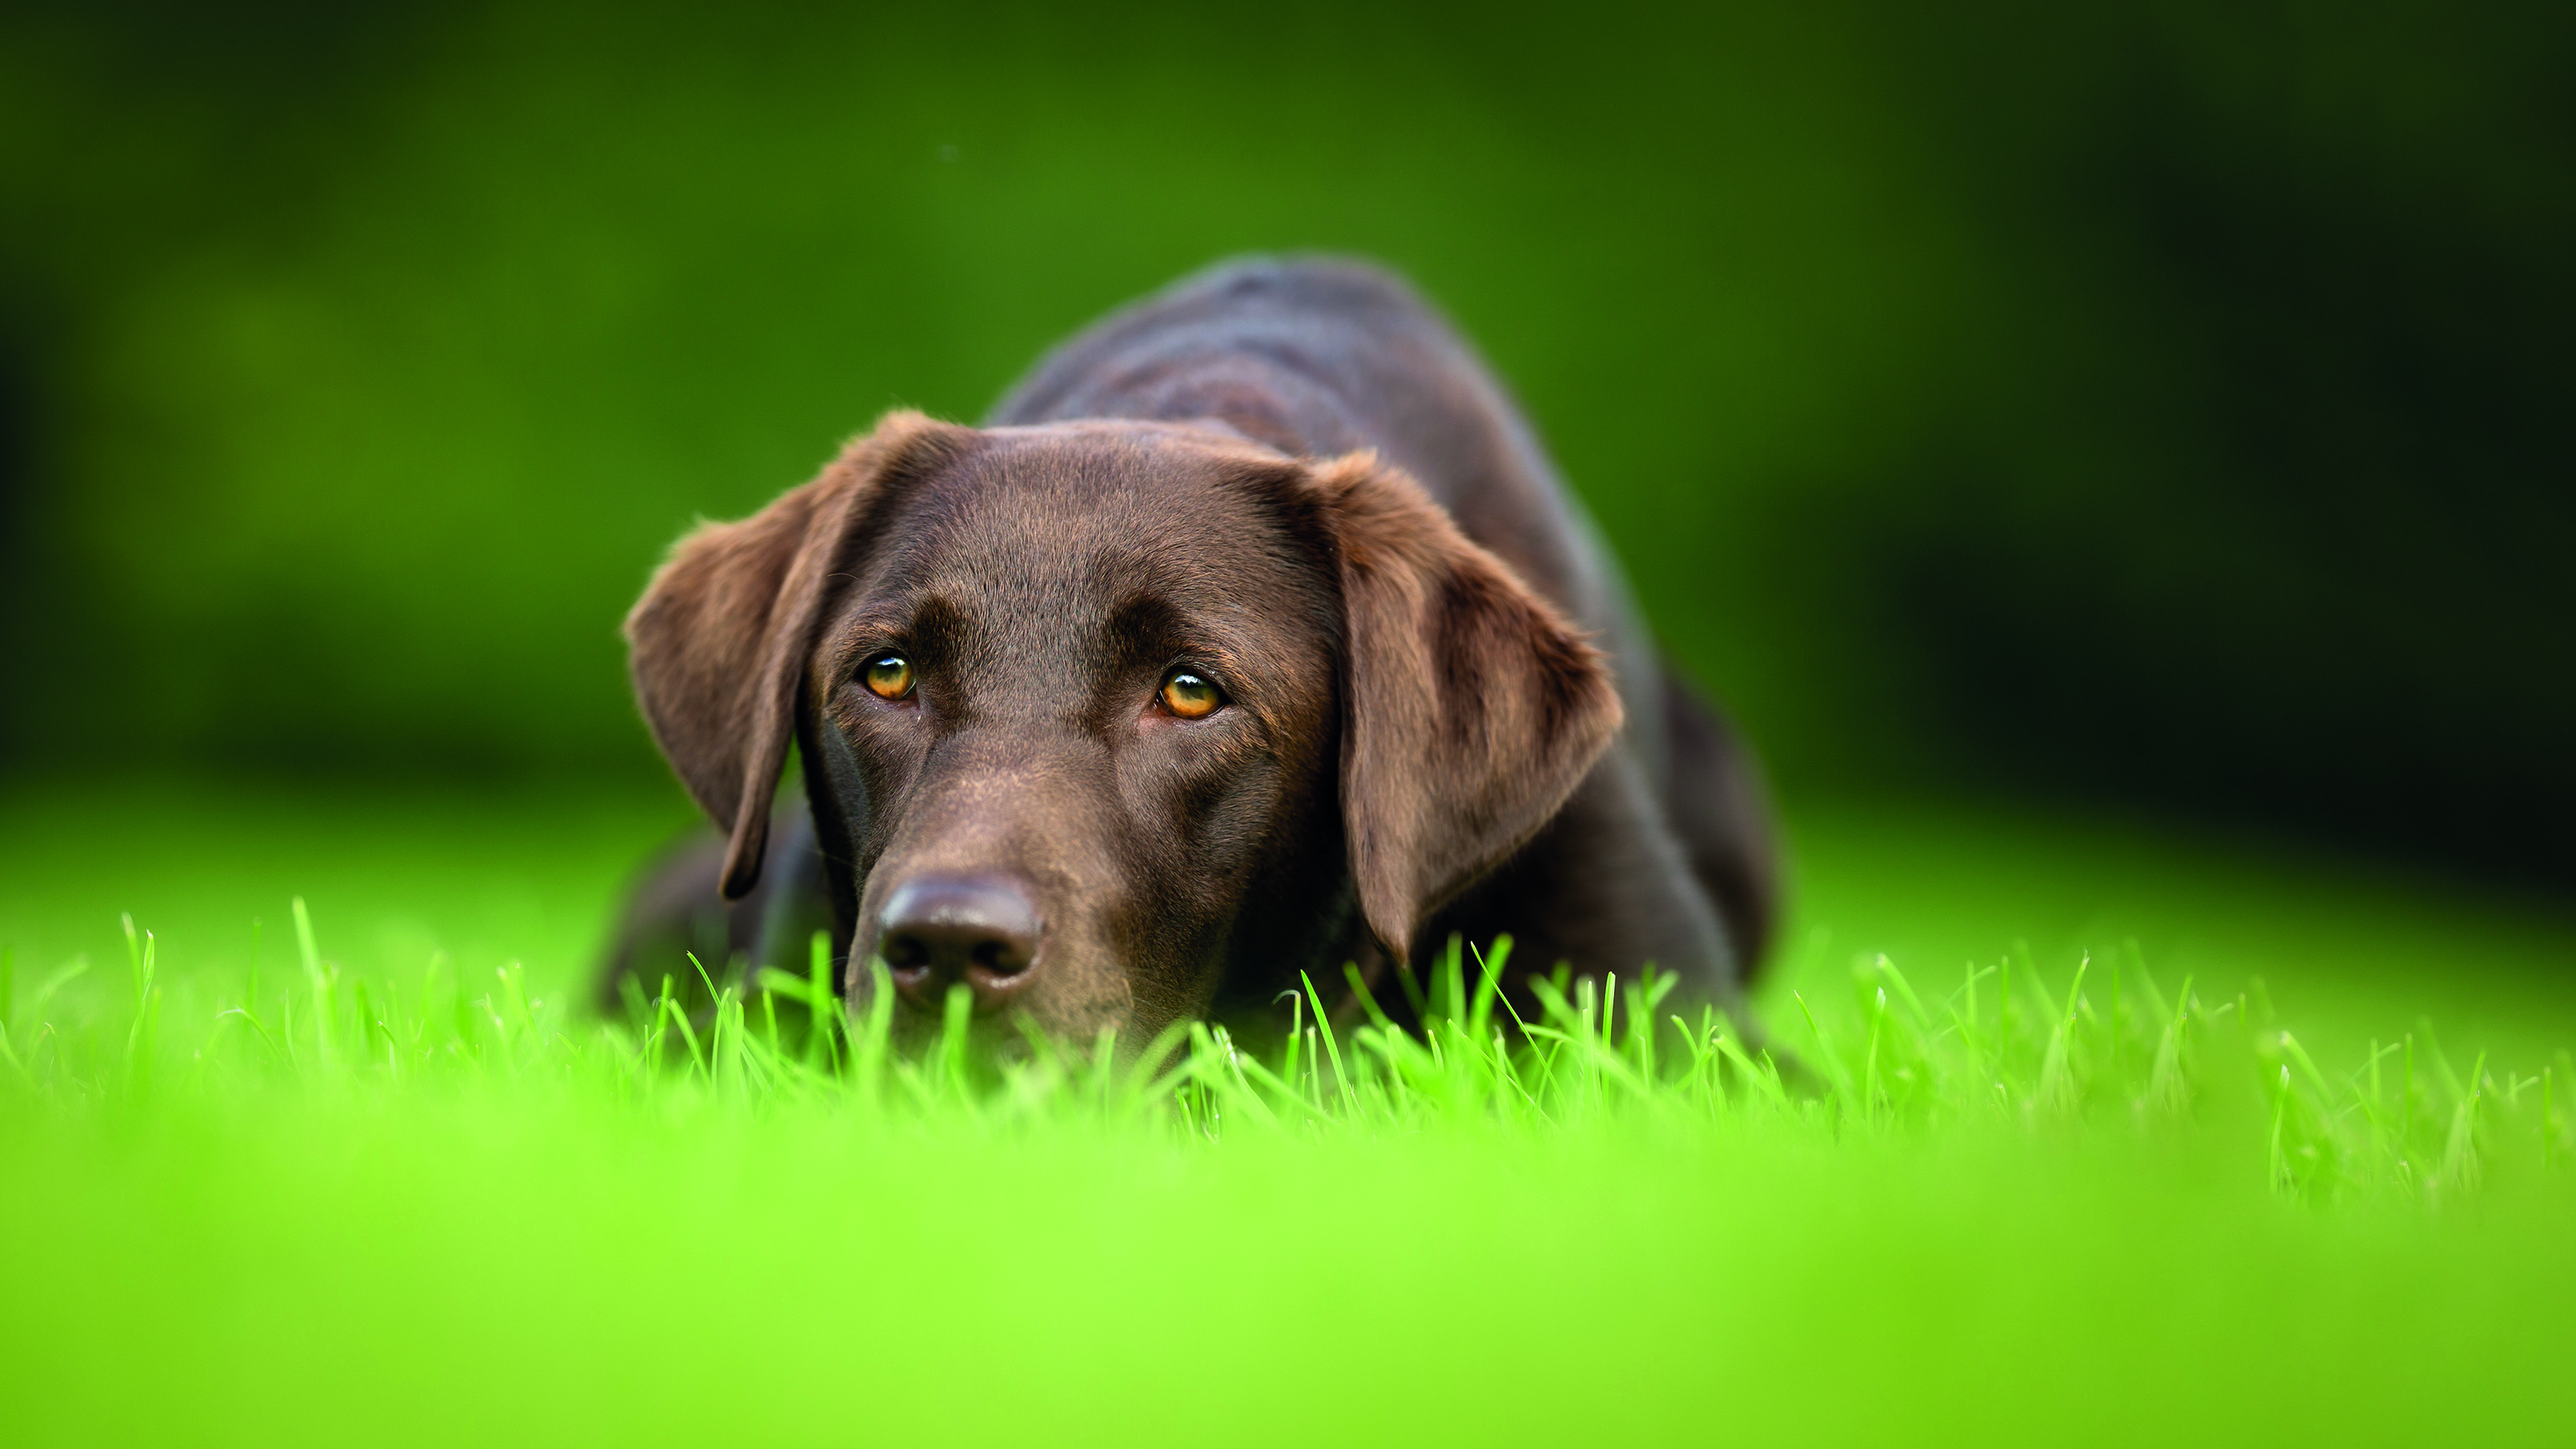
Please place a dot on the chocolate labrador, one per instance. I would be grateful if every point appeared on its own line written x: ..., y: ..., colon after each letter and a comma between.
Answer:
x: 1253, y: 635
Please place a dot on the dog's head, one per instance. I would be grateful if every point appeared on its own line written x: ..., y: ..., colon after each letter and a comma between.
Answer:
x: 1096, y: 717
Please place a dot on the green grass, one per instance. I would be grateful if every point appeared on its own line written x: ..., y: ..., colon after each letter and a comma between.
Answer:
x: 418, y: 1199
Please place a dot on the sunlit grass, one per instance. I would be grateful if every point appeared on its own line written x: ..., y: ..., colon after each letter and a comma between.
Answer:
x: 2106, y: 1049
x: 313, y: 1185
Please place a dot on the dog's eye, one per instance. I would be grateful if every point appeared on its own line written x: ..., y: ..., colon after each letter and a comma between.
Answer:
x: 1191, y: 695
x: 890, y: 677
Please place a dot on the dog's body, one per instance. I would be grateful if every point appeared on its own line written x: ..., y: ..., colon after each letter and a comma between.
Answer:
x: 1285, y: 487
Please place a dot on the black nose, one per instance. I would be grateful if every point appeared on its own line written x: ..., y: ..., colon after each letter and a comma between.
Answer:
x: 937, y: 931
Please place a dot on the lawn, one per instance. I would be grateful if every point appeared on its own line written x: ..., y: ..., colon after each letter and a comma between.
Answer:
x: 2083, y: 1215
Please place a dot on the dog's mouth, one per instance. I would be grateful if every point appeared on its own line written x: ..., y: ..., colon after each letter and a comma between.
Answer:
x: 987, y: 1049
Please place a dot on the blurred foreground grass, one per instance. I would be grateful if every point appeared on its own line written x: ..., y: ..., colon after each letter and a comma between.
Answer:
x: 486, y: 1221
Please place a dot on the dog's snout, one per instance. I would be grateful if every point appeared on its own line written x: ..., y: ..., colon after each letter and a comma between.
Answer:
x: 938, y: 931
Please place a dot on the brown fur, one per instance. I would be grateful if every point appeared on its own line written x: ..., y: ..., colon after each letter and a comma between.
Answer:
x: 1440, y: 713
x: 717, y: 643
x: 1474, y: 709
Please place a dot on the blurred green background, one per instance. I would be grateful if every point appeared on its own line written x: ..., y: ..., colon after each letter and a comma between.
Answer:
x: 2155, y: 404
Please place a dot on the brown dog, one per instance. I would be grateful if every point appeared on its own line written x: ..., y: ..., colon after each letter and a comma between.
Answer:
x: 1254, y: 636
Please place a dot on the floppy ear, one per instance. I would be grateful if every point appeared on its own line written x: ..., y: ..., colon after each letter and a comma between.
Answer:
x: 1470, y: 708
x: 719, y: 641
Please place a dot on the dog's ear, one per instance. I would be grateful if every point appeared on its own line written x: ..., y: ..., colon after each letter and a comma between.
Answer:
x: 1470, y: 708
x: 718, y: 643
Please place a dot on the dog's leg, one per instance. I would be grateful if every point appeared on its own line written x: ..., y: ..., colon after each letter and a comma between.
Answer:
x: 1606, y: 887
x: 673, y: 913
x: 796, y: 901
x: 1717, y: 806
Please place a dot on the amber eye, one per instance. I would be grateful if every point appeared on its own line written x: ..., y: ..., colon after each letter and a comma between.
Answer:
x: 890, y: 677
x: 1191, y: 695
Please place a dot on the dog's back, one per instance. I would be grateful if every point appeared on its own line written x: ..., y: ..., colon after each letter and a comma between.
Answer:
x: 1317, y: 357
